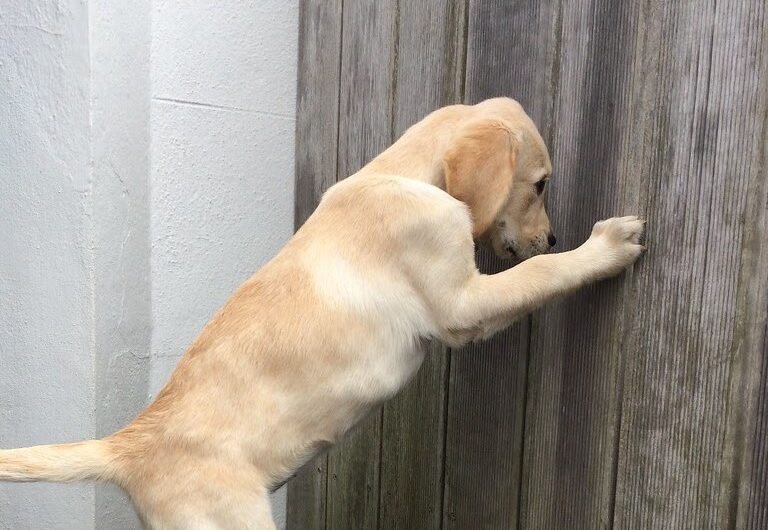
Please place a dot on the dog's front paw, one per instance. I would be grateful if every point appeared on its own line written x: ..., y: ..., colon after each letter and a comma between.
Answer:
x: 616, y: 244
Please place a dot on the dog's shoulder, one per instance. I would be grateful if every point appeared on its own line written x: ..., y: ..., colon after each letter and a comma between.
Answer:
x: 402, y: 199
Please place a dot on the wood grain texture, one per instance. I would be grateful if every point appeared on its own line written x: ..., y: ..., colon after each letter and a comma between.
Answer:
x: 429, y: 74
x: 317, y: 103
x: 366, y: 91
x: 574, y: 383
x: 681, y: 344
x: 365, y: 129
x: 756, y: 501
x: 511, y: 51
x: 413, y: 440
x: 316, y: 168
x: 744, y: 486
x: 752, y: 501
x: 484, y: 422
x: 641, y: 402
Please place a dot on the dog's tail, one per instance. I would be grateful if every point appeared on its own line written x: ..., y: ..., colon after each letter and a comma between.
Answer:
x: 89, y: 460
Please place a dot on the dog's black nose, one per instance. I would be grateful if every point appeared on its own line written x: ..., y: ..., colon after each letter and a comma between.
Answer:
x: 552, y: 240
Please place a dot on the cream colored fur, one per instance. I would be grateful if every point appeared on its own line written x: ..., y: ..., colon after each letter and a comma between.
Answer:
x: 331, y: 327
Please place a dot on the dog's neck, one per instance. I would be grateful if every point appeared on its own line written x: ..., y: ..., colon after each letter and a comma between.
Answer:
x: 410, y: 161
x: 419, y: 152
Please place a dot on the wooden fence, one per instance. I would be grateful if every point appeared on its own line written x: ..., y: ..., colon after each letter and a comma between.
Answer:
x: 641, y: 402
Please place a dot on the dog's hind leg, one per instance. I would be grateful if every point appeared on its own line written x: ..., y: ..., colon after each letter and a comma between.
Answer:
x: 226, y: 511
x: 204, y: 495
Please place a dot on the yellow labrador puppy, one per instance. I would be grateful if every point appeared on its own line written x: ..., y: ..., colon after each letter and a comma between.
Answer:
x: 330, y: 328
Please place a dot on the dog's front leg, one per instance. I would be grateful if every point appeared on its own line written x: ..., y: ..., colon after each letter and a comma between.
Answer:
x: 491, y: 302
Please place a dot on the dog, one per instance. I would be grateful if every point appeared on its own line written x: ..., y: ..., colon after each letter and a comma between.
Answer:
x: 331, y: 327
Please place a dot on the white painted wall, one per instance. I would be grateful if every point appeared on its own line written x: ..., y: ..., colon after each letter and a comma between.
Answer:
x: 119, y: 37
x: 46, y: 289
x: 223, y: 118
x: 135, y: 195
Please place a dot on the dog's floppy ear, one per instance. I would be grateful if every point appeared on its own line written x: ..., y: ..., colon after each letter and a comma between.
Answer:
x: 478, y: 168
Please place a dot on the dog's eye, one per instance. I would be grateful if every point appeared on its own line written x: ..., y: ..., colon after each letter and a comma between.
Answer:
x: 540, y: 185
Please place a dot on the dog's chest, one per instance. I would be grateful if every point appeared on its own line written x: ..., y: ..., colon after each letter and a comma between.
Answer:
x: 383, y: 359
x: 380, y: 372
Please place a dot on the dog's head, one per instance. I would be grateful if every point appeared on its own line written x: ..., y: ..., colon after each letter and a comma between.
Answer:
x: 498, y: 165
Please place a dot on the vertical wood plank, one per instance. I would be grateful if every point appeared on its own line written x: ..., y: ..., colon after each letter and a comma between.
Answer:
x: 574, y: 385
x: 429, y: 74
x: 413, y: 449
x: 752, y: 502
x: 640, y: 402
x: 485, y: 416
x: 756, y: 501
x: 744, y: 485
x: 682, y: 341
x: 317, y: 100
x: 316, y: 168
x: 511, y: 50
x: 365, y: 129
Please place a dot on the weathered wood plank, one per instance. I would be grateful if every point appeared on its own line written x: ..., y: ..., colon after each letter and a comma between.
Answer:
x: 316, y: 168
x: 366, y: 90
x: 429, y: 74
x: 649, y: 412
x: 365, y: 129
x: 317, y: 100
x: 484, y: 422
x: 306, y: 496
x: 756, y: 509
x: 683, y: 334
x: 430, y: 59
x: 413, y: 448
x: 752, y: 502
x: 744, y: 485
x: 574, y: 384
x: 511, y: 50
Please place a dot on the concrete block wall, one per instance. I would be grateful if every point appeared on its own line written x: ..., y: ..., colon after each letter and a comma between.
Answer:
x: 223, y: 119
x: 47, y: 357
x: 146, y: 169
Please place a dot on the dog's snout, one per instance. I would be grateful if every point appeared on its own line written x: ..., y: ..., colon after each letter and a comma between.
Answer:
x: 552, y: 240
